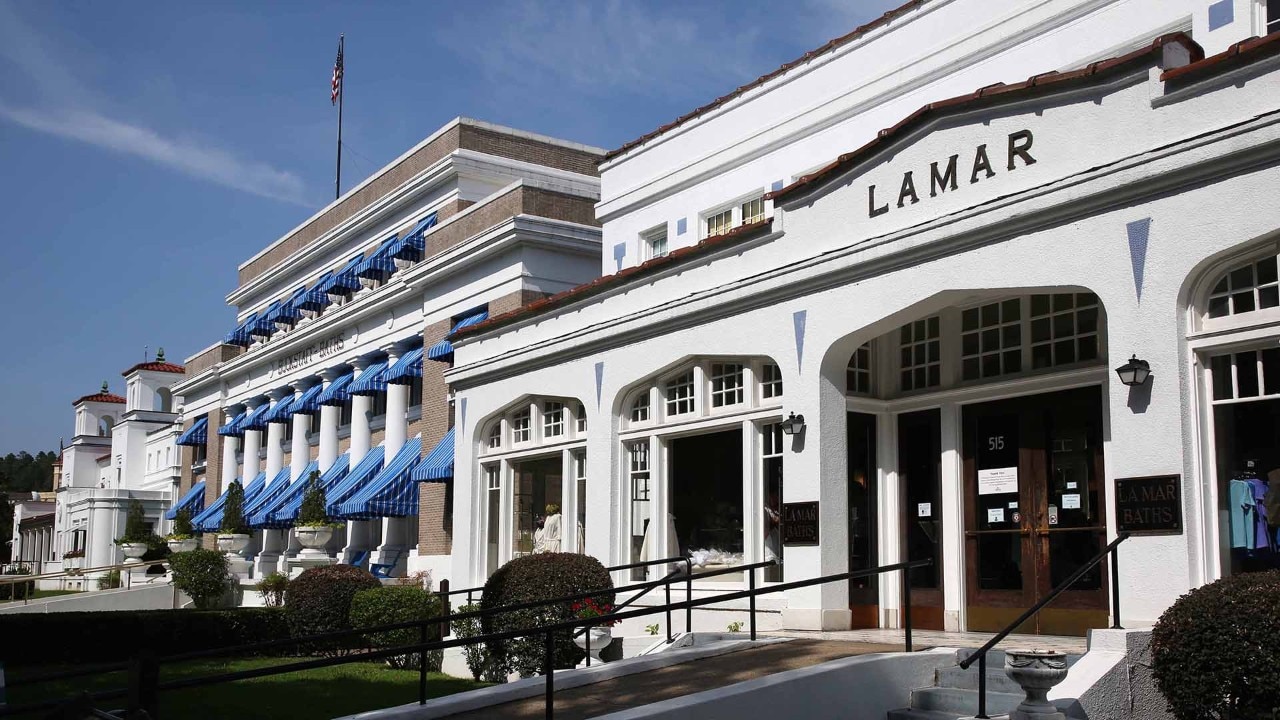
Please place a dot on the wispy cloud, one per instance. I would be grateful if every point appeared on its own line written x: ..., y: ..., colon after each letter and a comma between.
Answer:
x: 60, y: 106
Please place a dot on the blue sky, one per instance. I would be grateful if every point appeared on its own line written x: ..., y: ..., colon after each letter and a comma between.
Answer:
x: 149, y: 148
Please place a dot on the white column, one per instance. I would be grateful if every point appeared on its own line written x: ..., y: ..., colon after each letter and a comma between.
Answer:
x: 300, y: 450
x: 275, y: 438
x: 229, y: 448
x: 952, y: 540
x: 395, y: 530
x: 252, y: 446
x: 272, y: 541
x: 330, y: 415
x: 358, y: 535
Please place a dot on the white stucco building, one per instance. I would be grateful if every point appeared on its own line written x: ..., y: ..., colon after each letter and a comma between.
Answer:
x: 933, y: 239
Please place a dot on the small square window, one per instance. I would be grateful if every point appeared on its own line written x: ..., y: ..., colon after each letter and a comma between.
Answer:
x: 753, y: 211
x: 640, y: 407
x: 720, y: 223
x: 552, y: 420
x: 654, y: 242
x: 770, y: 381
x: 726, y: 384
x: 521, y: 424
x: 680, y: 394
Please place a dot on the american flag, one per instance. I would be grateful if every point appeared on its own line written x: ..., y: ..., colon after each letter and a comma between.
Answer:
x: 336, y: 84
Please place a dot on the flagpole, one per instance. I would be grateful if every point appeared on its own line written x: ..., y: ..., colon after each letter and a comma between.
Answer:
x: 342, y: 80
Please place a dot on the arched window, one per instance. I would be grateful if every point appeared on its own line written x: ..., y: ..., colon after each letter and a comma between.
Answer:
x: 163, y: 400
x: 1244, y: 289
x: 105, y: 425
x: 494, y: 438
x: 858, y: 374
x: 639, y: 411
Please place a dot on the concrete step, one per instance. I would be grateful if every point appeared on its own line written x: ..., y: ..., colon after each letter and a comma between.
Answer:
x: 997, y: 680
x: 910, y: 714
x: 964, y: 702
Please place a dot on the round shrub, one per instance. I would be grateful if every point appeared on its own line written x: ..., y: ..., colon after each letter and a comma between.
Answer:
x: 393, y: 604
x: 1217, y: 649
x: 541, y: 576
x: 202, y: 575
x: 319, y: 601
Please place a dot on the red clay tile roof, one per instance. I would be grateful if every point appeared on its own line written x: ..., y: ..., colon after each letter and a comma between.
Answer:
x: 101, y: 397
x: 1242, y: 53
x: 991, y: 95
x: 829, y: 46
x: 675, y: 257
x: 158, y: 367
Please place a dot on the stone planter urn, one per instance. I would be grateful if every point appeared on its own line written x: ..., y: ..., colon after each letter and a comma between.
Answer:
x: 1036, y: 672
x: 182, y: 545
x: 233, y: 543
x: 313, y: 538
x: 133, y: 552
x: 600, y: 636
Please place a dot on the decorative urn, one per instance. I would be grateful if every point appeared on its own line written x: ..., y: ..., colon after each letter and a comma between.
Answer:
x: 1036, y: 672
x: 601, y: 636
x: 313, y: 538
x: 185, y: 545
x: 233, y: 543
x: 133, y: 552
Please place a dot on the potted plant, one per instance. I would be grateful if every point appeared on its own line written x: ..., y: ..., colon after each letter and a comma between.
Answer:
x: 183, y: 537
x: 134, y: 541
x: 600, y: 635
x: 314, y: 529
x: 233, y: 533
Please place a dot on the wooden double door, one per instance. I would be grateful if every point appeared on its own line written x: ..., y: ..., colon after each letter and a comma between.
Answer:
x: 1034, y: 511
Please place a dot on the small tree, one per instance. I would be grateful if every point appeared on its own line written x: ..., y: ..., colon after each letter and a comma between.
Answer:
x: 135, y: 526
x: 233, y: 512
x: 202, y: 575
x: 182, y: 527
x: 313, y: 512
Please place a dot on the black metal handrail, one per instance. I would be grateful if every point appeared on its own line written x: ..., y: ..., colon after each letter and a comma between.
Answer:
x: 446, y: 592
x: 981, y: 653
x: 144, y: 684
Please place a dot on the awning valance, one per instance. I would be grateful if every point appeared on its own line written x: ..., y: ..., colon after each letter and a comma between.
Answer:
x: 392, y: 492
x: 315, y: 299
x: 240, y: 336
x: 235, y: 428
x: 362, y: 473
x: 197, y: 434
x: 408, y: 367
x: 270, y: 492
x: 192, y: 501
x: 380, y: 265
x: 412, y: 245
x: 309, y: 403
x: 370, y: 380
x: 279, y: 412
x: 289, y: 312
x: 443, y: 350
x: 265, y: 325
x: 211, y: 519
x: 286, y: 511
x: 344, y: 282
x: 258, y: 419
x: 437, y: 466
x: 276, y: 494
x: 336, y: 393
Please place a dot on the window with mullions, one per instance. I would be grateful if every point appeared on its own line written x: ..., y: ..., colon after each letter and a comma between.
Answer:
x: 552, y: 419
x: 1248, y: 374
x: 771, y: 475
x: 921, y: 354
x: 495, y: 435
x: 680, y: 394
x: 638, y: 479
x: 1064, y: 329
x: 493, y: 490
x: 1245, y: 289
x: 770, y: 381
x: 580, y: 419
x: 521, y: 424
x: 639, y: 411
x: 720, y: 223
x: 580, y: 478
x: 752, y: 211
x: 726, y: 384
x: 991, y: 340
x: 857, y: 377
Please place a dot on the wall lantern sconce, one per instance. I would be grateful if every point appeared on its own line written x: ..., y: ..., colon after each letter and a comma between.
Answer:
x: 793, y: 424
x: 1135, y: 372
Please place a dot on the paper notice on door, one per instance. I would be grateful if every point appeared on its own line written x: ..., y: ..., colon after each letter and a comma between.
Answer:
x: 1071, y: 502
x: 924, y: 510
x: 998, y: 481
x: 1013, y: 504
x: 995, y: 515
x: 1071, y: 486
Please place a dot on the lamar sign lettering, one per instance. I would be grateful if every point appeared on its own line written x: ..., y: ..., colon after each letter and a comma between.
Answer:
x: 800, y: 523
x: 1149, y: 505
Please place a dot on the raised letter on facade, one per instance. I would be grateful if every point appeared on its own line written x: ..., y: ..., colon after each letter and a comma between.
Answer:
x: 871, y: 203
x: 981, y: 162
x: 1019, y: 145
x: 938, y: 183
x: 908, y: 189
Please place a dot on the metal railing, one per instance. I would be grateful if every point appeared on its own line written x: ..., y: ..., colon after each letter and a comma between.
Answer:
x: 144, y: 684
x: 126, y: 578
x: 980, y: 655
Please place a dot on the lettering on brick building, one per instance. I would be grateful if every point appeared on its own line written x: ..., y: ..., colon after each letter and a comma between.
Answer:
x: 946, y: 175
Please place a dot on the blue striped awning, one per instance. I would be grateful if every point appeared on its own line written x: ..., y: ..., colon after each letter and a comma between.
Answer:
x: 257, y: 420
x: 279, y: 412
x: 392, y: 492
x: 309, y: 403
x: 361, y: 474
x: 370, y: 381
x: 289, y: 312
x: 336, y: 393
x: 240, y: 336
x: 234, y: 428
x: 192, y: 501
x: 380, y: 265
x: 285, y: 513
x: 408, y: 367
x: 316, y: 298
x: 443, y: 350
x: 211, y: 519
x: 265, y: 325
x: 412, y: 245
x: 437, y: 466
x: 259, y: 516
x: 272, y: 491
x: 344, y: 282
x: 197, y: 434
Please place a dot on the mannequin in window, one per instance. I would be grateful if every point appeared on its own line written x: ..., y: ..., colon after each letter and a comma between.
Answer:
x: 547, y: 537
x: 772, y: 528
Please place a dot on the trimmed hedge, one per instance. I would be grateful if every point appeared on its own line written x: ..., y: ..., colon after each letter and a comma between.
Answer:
x: 539, y: 576
x: 319, y: 601
x: 394, y: 604
x: 1216, y: 651
x: 115, y: 635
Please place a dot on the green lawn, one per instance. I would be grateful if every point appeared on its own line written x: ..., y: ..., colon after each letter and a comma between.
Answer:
x: 308, y: 695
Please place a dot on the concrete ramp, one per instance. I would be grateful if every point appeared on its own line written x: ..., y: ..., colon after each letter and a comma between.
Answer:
x: 152, y: 596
